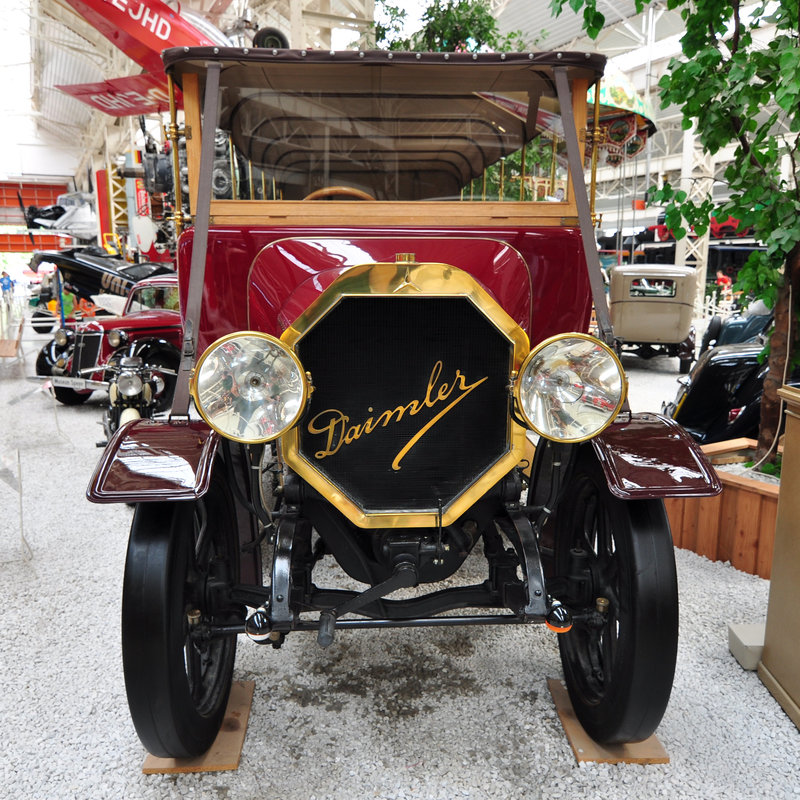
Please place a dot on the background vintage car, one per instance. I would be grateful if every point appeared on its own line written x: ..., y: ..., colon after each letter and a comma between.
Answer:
x: 720, y: 399
x: 79, y: 274
x: 744, y: 326
x: 150, y: 321
x: 651, y: 309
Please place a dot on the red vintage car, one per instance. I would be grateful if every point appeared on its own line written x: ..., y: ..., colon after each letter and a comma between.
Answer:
x: 149, y: 326
x: 726, y: 228
x: 386, y: 364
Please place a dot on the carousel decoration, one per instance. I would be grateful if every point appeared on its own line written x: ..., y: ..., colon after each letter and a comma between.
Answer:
x: 623, y: 118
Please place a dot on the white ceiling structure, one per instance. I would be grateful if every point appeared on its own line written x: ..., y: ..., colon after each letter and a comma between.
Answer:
x: 46, y: 43
x: 59, y: 137
x: 640, y: 46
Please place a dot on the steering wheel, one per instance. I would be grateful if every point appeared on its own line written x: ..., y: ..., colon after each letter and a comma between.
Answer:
x: 333, y: 191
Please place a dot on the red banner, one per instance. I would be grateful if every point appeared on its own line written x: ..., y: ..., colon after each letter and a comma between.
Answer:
x: 122, y: 97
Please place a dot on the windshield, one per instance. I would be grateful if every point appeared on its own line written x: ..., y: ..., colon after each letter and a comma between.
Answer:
x: 153, y: 297
x: 375, y: 129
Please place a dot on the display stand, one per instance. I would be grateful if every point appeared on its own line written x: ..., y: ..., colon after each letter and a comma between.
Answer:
x: 9, y: 347
x: 779, y: 668
x: 585, y: 749
x: 226, y: 751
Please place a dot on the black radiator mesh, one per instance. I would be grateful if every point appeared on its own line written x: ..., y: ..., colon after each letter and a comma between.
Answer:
x: 370, y: 358
x: 87, y: 350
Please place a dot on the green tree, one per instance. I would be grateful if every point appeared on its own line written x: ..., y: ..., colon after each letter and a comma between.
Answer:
x: 738, y: 87
x: 447, y: 26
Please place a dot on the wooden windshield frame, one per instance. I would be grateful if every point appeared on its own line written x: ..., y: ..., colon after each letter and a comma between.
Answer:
x: 187, y: 68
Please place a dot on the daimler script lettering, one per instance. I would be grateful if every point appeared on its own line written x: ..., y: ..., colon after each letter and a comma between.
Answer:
x: 336, y: 426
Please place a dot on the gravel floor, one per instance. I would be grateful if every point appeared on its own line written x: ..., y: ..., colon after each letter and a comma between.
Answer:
x: 436, y: 713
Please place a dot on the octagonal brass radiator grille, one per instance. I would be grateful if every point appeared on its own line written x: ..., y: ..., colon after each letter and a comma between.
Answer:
x: 410, y: 404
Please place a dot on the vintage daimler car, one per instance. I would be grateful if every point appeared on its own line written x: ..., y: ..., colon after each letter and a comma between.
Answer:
x: 76, y: 357
x: 383, y: 319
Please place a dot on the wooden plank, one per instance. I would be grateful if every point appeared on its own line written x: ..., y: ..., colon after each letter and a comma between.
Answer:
x: 707, y: 530
x: 729, y: 446
x: 745, y: 531
x: 457, y: 213
x: 689, y: 522
x: 749, y: 484
x: 226, y: 751
x: 766, y: 538
x: 585, y: 749
x: 674, y: 507
x: 192, y: 120
x: 727, y: 520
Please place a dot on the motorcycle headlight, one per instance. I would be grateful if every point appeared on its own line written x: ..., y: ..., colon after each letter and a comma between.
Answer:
x: 117, y: 338
x: 249, y: 387
x: 570, y: 387
x: 129, y: 384
x: 61, y: 337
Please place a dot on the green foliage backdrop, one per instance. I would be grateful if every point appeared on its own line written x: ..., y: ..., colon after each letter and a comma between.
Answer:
x: 739, y: 88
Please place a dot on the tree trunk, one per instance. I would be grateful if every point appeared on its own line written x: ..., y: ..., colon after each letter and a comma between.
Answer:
x: 781, y: 349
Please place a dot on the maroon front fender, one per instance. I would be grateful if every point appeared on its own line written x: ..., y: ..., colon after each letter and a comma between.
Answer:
x: 147, y: 461
x: 647, y: 456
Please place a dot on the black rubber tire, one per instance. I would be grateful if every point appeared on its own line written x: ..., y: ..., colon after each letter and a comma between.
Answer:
x: 618, y: 672
x: 712, y: 334
x: 685, y: 366
x: 69, y: 397
x: 270, y: 37
x: 44, y: 366
x: 178, y: 687
x: 43, y: 321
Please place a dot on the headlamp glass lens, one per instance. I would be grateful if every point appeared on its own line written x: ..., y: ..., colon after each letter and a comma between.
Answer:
x: 250, y: 387
x: 570, y: 388
x: 116, y: 338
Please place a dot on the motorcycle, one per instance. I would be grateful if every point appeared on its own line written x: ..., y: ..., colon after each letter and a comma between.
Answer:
x: 136, y: 389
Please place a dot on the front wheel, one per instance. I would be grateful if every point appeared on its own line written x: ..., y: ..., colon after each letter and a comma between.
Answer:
x: 711, y: 335
x: 616, y: 555
x: 70, y: 397
x: 181, y: 561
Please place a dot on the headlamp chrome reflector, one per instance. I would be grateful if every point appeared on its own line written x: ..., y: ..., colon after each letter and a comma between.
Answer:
x: 249, y: 387
x: 570, y: 387
x: 61, y: 337
x: 129, y: 384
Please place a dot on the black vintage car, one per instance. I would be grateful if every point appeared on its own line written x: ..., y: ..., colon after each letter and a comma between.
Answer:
x: 84, y: 272
x: 721, y: 398
x: 744, y: 326
x: 386, y: 367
